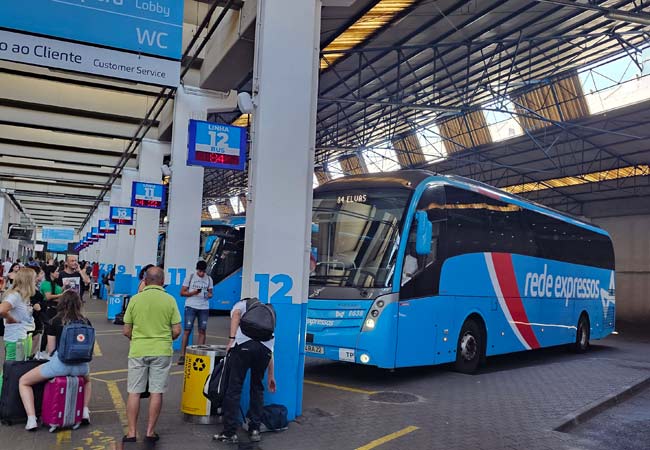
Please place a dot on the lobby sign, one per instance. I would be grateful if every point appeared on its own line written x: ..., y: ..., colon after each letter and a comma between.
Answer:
x: 216, y: 145
x: 150, y: 27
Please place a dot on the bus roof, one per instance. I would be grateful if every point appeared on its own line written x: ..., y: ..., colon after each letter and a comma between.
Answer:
x: 411, y: 179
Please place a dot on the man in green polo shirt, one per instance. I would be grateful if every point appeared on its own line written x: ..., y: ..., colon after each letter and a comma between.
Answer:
x: 151, y: 322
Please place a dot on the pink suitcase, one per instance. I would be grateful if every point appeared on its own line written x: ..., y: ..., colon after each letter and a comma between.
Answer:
x: 63, y: 402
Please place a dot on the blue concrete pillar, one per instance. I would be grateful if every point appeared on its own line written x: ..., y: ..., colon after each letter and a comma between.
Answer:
x: 186, y: 190
x: 278, y: 217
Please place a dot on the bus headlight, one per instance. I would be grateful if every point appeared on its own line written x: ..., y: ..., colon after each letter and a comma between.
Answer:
x: 364, y: 358
x: 377, y: 310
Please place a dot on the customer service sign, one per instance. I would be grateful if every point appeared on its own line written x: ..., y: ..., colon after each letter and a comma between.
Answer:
x: 139, y: 40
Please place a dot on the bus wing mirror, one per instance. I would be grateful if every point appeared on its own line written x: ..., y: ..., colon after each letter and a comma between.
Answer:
x: 424, y: 234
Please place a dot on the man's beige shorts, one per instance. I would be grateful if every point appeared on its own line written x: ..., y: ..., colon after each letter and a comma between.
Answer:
x: 154, y: 369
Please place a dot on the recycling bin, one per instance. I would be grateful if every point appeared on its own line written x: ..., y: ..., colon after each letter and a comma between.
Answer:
x: 199, y: 364
x: 114, y: 305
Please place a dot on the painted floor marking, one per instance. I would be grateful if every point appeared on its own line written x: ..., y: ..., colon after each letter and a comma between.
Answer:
x: 340, y: 388
x: 118, y: 402
x: 63, y: 437
x: 388, y: 438
x: 97, y: 351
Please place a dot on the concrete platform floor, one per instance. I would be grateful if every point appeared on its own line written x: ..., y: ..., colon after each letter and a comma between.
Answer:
x: 516, y: 402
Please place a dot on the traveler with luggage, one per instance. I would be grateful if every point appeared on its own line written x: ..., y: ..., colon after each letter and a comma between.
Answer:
x: 16, y: 311
x: 252, y: 325
x: 151, y: 322
x: 197, y: 288
x: 70, y: 339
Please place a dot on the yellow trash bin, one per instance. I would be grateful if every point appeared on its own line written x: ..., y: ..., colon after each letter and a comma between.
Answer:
x: 199, y: 363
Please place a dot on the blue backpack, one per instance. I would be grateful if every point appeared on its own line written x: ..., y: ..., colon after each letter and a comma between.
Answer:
x: 77, y: 343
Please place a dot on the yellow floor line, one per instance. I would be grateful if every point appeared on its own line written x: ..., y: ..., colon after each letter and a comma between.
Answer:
x: 118, y: 402
x: 340, y: 388
x: 108, y: 372
x: 97, y: 351
x: 388, y: 438
x: 63, y: 437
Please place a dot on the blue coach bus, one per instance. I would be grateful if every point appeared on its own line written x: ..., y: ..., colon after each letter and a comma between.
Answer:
x: 414, y: 268
x: 222, y: 247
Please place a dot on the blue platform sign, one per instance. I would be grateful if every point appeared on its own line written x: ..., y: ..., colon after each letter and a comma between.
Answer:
x: 148, y: 195
x: 57, y: 247
x: 121, y: 216
x: 105, y: 226
x: 58, y: 234
x: 216, y: 145
x: 151, y: 27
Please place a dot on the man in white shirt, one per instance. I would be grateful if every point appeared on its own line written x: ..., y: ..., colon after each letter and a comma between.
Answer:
x: 246, y: 354
x: 197, y: 288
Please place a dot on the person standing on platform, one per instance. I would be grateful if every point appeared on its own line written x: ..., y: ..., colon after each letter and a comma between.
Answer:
x: 245, y: 354
x: 17, y: 314
x: 73, y: 278
x: 197, y: 288
x: 151, y: 322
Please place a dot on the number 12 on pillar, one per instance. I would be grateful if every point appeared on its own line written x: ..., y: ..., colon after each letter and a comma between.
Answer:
x: 276, y: 288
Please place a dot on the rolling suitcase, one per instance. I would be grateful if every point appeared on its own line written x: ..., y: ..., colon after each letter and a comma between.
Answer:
x: 11, y: 406
x: 63, y: 402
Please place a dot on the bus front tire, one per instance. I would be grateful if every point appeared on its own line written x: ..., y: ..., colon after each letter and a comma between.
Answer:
x: 583, y: 334
x: 470, y: 347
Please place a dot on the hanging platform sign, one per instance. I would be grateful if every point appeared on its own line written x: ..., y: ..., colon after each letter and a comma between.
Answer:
x: 148, y: 195
x: 58, y: 234
x: 105, y: 226
x: 216, y: 145
x: 140, y: 40
x: 121, y: 216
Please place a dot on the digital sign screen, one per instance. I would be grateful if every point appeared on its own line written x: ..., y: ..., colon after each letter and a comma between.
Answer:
x: 121, y: 215
x: 105, y: 226
x: 57, y: 247
x: 148, y: 195
x: 216, y: 145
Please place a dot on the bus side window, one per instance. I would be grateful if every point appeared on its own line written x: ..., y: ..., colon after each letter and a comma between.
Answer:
x: 421, y: 274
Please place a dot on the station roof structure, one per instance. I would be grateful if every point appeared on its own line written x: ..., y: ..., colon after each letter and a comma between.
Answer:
x: 390, y: 70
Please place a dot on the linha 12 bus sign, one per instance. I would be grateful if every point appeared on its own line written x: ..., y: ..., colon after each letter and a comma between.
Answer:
x: 216, y: 145
x: 148, y: 195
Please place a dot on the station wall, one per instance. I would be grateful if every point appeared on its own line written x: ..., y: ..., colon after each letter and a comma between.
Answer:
x: 631, y: 236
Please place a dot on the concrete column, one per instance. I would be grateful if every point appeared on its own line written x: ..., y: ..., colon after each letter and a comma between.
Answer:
x: 278, y: 220
x: 125, y: 241
x: 186, y: 188
x: 108, y: 256
x: 150, y: 159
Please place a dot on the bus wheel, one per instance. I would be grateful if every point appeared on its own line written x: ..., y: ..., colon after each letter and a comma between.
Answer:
x: 469, y: 350
x: 582, y: 335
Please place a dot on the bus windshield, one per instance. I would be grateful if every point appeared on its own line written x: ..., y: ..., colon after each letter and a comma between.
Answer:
x: 355, y: 235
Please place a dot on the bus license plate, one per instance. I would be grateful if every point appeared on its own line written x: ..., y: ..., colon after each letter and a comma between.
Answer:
x: 346, y: 354
x: 315, y: 349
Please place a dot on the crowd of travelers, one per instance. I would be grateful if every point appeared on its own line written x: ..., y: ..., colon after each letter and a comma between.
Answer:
x: 42, y: 310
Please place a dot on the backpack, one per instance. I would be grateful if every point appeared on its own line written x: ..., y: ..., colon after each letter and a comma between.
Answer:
x: 258, y: 322
x: 77, y: 343
x: 274, y: 417
x: 217, y: 383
